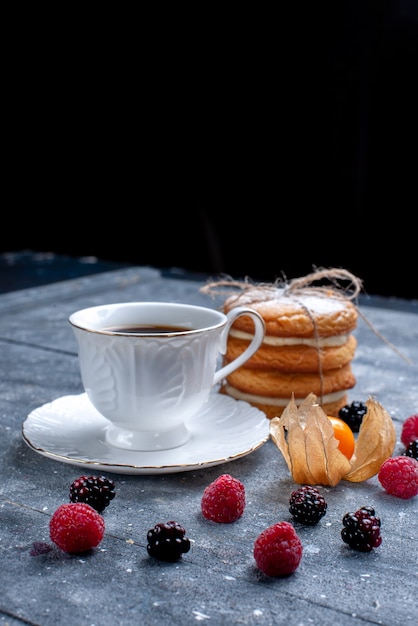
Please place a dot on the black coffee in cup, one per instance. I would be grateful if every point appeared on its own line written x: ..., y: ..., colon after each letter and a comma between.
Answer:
x: 146, y: 329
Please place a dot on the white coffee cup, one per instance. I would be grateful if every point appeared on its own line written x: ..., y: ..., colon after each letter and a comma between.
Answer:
x: 149, y: 366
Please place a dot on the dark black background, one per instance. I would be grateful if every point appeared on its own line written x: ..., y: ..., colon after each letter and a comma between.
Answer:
x: 252, y: 145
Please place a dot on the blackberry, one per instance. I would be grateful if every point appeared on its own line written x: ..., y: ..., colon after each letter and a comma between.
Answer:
x: 167, y: 542
x: 352, y: 414
x: 412, y: 449
x: 362, y: 529
x: 307, y: 505
x: 97, y: 491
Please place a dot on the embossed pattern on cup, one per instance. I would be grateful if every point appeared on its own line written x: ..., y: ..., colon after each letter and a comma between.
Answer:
x: 148, y: 385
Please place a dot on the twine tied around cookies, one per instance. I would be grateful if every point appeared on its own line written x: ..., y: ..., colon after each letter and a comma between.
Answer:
x: 305, y: 285
x: 297, y: 286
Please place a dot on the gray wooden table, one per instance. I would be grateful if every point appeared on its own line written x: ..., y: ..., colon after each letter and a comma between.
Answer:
x: 217, y: 581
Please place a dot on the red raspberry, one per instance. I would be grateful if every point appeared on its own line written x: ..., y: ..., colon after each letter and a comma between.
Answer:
x: 398, y: 475
x: 223, y: 500
x: 278, y: 550
x: 76, y: 527
x: 409, y: 430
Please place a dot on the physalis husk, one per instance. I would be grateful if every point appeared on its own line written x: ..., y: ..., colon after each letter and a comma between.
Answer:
x: 305, y: 437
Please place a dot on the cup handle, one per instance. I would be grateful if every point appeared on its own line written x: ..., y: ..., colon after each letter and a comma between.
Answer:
x: 259, y: 331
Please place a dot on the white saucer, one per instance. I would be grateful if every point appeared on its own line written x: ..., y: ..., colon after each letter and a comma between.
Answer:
x: 69, y: 429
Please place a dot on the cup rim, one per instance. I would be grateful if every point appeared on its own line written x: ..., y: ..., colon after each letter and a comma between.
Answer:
x: 78, y: 320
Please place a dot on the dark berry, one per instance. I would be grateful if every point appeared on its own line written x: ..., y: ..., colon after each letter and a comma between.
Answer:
x: 97, y: 491
x: 362, y: 529
x: 223, y: 500
x: 307, y: 505
x: 167, y: 542
x: 76, y: 527
x: 412, y: 450
x: 352, y: 414
x: 278, y: 550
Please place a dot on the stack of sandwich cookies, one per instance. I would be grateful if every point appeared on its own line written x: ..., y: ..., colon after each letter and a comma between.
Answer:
x: 308, y: 348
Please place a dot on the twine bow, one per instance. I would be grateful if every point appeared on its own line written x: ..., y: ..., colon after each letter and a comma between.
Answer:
x: 297, y: 286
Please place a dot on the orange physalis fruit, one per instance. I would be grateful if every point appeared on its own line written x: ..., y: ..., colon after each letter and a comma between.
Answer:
x: 344, y: 436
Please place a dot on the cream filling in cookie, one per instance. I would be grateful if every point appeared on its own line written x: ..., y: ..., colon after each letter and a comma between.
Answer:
x: 249, y: 397
x: 320, y: 342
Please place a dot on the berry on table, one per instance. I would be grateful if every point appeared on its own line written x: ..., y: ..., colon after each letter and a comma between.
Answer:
x: 398, y: 475
x: 76, y: 527
x: 307, y: 505
x: 97, y: 491
x: 223, y: 499
x: 409, y: 430
x: 362, y: 529
x: 412, y: 449
x: 278, y: 550
x: 167, y: 542
x: 352, y: 414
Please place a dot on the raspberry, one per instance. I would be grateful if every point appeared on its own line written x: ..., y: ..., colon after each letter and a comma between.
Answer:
x: 412, y: 449
x: 223, y: 500
x: 409, y: 429
x: 307, y: 505
x: 97, y: 491
x: 352, y: 414
x: 398, y: 475
x: 76, y: 527
x: 362, y: 529
x: 278, y: 550
x: 166, y: 542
